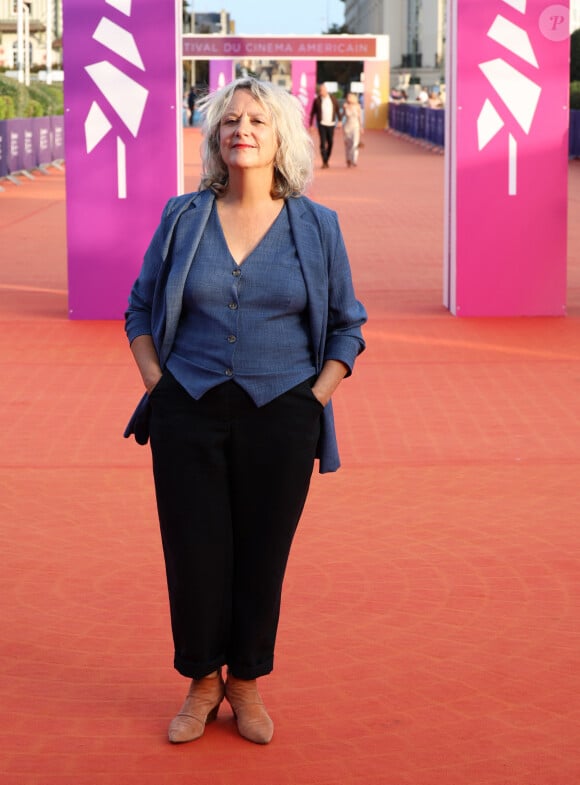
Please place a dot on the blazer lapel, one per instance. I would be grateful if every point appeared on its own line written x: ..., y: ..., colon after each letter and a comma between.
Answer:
x: 188, y: 230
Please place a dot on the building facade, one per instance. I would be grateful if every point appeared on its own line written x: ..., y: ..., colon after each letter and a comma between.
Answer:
x: 35, y: 14
x: 197, y: 23
x: 416, y: 29
x: 574, y: 15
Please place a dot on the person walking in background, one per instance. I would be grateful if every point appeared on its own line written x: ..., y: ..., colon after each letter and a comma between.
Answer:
x: 191, y: 97
x: 423, y: 96
x: 243, y: 322
x: 434, y: 101
x: 352, y: 129
x: 184, y: 112
x: 327, y: 112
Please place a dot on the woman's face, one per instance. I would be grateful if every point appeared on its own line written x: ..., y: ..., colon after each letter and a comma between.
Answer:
x: 247, y: 136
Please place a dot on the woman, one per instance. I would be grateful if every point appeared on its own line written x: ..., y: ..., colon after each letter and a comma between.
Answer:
x: 352, y: 128
x: 242, y: 322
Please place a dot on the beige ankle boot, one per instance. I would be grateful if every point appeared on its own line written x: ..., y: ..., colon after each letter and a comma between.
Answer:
x: 200, y: 707
x: 253, y: 721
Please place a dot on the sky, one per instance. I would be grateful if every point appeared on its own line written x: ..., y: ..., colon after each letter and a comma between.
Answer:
x: 302, y: 17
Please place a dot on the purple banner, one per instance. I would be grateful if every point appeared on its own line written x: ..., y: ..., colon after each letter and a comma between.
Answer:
x: 26, y: 143
x: 28, y: 157
x: 41, y: 139
x: 3, y: 148
x: 57, y: 137
x: 15, y: 145
x: 574, y: 146
x: 123, y: 142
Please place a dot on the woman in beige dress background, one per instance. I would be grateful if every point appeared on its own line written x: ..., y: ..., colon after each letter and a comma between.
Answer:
x: 352, y: 129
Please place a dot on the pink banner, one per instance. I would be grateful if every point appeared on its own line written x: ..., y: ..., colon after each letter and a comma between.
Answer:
x: 221, y: 73
x: 123, y: 142
x: 507, y: 157
x: 304, y: 84
x: 323, y: 47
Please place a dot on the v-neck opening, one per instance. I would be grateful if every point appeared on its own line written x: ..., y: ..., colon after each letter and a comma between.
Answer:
x: 258, y: 244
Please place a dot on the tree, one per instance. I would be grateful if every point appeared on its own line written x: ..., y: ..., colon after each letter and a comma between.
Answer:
x: 187, y: 17
x: 335, y: 29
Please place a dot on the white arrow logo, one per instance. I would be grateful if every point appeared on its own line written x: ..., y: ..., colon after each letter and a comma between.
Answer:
x: 375, y: 95
x: 518, y: 93
x: 303, y: 91
x: 126, y: 96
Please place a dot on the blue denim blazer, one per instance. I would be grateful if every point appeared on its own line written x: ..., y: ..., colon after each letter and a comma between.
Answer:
x: 335, y: 315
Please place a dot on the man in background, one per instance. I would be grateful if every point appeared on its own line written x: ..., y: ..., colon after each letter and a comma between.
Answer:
x: 191, y: 96
x: 327, y: 112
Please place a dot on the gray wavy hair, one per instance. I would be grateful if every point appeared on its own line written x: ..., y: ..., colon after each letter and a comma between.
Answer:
x: 293, y: 165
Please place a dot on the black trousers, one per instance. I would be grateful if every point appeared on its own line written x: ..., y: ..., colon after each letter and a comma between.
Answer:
x: 326, y: 133
x: 231, y: 481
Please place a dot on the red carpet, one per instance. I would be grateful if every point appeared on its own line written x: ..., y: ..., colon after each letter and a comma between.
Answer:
x: 430, y: 630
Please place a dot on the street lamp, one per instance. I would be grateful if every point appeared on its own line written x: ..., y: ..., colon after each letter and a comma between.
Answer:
x: 20, y: 40
x: 48, y: 39
x: 23, y: 40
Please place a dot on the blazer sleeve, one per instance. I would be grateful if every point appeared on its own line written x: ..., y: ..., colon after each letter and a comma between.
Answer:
x: 138, y: 317
x: 313, y: 111
x: 346, y: 315
x: 138, y: 314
